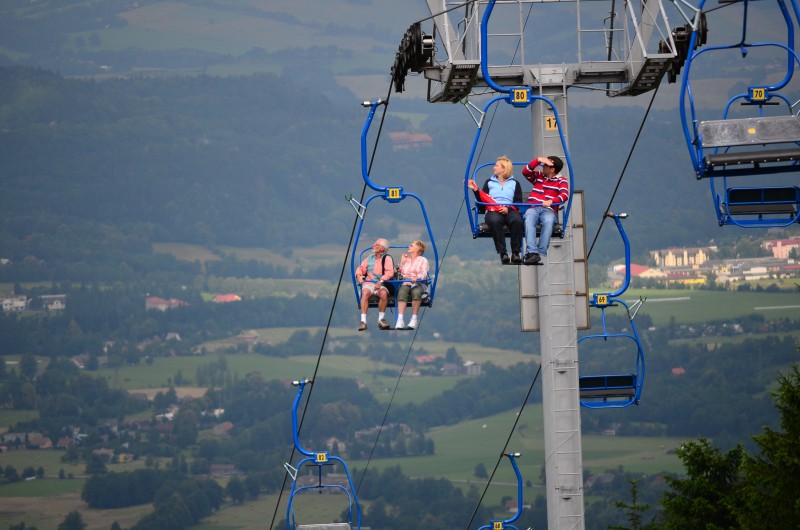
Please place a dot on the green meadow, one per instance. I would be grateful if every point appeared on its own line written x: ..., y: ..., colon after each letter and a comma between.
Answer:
x: 692, y: 307
x: 456, y: 459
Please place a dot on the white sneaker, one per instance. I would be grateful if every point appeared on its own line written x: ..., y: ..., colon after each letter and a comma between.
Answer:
x: 412, y: 325
x: 400, y: 325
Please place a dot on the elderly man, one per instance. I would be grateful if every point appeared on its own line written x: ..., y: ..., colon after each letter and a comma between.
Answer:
x: 372, y: 274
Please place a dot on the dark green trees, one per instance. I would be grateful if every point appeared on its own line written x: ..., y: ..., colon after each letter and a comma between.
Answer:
x: 736, y: 490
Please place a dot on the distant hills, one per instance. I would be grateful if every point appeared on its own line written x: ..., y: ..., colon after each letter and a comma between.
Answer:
x: 263, y: 129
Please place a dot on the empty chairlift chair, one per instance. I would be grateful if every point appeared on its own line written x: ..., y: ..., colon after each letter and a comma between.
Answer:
x: 742, y: 143
x: 760, y: 149
x: 320, y: 459
x: 615, y: 388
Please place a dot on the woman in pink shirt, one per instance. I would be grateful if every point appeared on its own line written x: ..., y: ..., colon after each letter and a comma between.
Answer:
x: 413, y: 268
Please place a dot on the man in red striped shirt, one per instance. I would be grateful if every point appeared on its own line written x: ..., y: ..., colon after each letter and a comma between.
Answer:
x: 550, y: 189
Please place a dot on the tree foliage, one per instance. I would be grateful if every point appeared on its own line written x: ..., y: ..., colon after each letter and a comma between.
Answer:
x: 728, y: 490
x: 770, y: 495
x: 73, y: 521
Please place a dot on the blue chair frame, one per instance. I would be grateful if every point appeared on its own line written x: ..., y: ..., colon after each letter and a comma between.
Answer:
x: 718, y: 147
x: 501, y: 524
x: 516, y: 96
x: 614, y: 390
x: 391, y: 194
x: 319, y: 459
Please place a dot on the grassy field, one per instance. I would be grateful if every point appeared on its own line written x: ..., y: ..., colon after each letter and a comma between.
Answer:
x: 410, y: 389
x: 48, y: 459
x: 12, y: 417
x: 691, y: 307
x: 45, y: 502
x: 48, y: 511
x: 156, y: 377
x: 456, y: 460
x: 309, y: 508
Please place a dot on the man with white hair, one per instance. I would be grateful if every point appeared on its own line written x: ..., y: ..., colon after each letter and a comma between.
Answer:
x: 372, y: 274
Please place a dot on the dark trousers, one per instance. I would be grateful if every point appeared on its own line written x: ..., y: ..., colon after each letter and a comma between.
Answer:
x: 516, y: 227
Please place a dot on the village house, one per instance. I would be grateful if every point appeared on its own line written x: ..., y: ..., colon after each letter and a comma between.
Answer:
x: 512, y: 505
x: 226, y: 298
x: 162, y: 304
x: 472, y: 368
x: 53, y: 302
x: 28, y: 439
x: 402, y: 141
x: 224, y: 470
x: 39, y: 440
x: 105, y: 452
x: 782, y: 248
x: 65, y: 442
x: 335, y: 445
x: 222, y: 429
x: 425, y: 359
x: 451, y: 369
x: 15, y: 303
x: 331, y: 479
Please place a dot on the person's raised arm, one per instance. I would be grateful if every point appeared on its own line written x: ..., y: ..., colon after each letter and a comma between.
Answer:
x: 529, y: 171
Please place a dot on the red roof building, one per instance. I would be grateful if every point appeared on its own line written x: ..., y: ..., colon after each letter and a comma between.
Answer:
x: 405, y: 140
x: 227, y: 298
x: 781, y: 248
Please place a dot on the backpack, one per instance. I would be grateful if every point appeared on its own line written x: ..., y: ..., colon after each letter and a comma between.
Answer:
x: 371, y: 267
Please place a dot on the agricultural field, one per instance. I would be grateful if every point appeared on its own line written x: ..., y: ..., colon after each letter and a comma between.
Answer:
x: 693, y: 307
x: 309, y: 508
x: 163, y: 371
x: 43, y: 509
x: 44, y: 502
x: 456, y: 460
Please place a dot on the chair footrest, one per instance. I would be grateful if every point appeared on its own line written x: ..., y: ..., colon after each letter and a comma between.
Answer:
x: 764, y: 156
x: 324, y: 526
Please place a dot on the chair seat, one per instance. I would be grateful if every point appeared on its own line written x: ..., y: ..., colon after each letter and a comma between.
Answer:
x: 749, y: 131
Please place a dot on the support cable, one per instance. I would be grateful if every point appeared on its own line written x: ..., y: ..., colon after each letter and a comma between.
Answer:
x: 330, y: 314
x: 505, y: 448
x: 622, y: 173
x: 457, y: 6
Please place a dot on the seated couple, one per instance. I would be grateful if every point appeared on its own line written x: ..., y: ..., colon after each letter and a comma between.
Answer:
x: 502, y: 190
x: 374, y: 274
